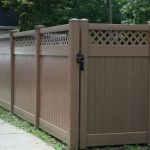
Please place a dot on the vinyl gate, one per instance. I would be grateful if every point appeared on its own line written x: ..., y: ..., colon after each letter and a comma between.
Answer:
x: 114, y: 85
x: 86, y: 84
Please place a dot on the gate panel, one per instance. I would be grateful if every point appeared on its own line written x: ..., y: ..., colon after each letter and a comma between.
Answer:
x: 117, y: 89
x: 118, y: 85
x: 117, y: 98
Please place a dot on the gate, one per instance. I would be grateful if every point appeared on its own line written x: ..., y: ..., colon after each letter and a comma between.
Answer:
x: 114, y: 84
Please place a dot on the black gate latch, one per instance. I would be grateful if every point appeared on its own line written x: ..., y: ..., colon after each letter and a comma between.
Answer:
x: 80, y: 61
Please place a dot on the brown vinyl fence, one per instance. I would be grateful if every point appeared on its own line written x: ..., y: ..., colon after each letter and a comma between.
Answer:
x: 86, y: 84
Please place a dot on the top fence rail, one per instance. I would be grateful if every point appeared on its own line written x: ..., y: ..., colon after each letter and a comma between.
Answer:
x: 59, y: 28
x: 96, y: 26
x: 24, y: 33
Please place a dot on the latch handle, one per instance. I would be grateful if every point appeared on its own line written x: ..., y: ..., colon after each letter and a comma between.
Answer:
x: 80, y: 61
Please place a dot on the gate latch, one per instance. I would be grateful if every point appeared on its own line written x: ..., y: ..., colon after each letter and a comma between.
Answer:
x: 80, y: 60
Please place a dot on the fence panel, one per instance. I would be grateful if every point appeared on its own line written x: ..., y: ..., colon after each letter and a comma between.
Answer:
x: 5, y: 72
x: 54, y: 83
x: 117, y: 88
x: 59, y: 73
x: 40, y: 78
x: 24, y: 75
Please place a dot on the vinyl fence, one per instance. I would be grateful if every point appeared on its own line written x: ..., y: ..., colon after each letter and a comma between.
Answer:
x: 86, y: 84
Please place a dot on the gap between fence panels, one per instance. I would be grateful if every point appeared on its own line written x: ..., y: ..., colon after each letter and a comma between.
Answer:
x: 100, y: 99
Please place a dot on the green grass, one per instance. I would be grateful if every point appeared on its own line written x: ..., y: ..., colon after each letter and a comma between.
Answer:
x: 125, y: 147
x: 58, y: 145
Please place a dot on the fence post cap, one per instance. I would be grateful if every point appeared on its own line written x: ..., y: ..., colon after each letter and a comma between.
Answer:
x: 39, y: 26
x: 73, y: 19
x: 84, y: 19
x: 13, y: 31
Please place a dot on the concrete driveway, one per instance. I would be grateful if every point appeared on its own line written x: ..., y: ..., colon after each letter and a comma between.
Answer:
x: 12, y: 138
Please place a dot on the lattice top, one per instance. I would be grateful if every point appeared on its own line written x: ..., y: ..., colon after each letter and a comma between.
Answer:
x: 117, y: 37
x: 25, y: 41
x: 56, y: 38
x: 5, y: 42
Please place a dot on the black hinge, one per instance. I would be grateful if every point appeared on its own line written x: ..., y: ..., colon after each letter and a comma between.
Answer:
x: 80, y: 60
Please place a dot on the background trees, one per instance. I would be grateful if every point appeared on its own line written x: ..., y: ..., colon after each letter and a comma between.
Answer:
x: 54, y: 12
x: 46, y: 12
x: 134, y: 11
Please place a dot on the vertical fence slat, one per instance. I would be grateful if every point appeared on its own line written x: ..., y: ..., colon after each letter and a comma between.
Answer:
x: 83, y: 83
x: 74, y: 43
x: 37, y: 74
x: 12, y: 47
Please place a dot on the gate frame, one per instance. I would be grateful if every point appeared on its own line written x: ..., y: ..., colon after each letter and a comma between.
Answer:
x: 74, y: 46
x: 84, y: 31
x: 84, y: 83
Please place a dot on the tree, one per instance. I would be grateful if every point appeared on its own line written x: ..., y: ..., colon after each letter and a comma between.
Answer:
x: 135, y: 11
x: 34, y: 12
x: 96, y: 10
x: 54, y: 12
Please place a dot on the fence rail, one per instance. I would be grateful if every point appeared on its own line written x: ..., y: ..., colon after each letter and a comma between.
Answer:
x: 105, y: 104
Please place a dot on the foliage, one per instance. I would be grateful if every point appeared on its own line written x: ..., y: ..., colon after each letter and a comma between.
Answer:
x: 54, y: 12
x: 96, y: 11
x: 91, y: 9
x: 34, y: 12
x: 135, y: 11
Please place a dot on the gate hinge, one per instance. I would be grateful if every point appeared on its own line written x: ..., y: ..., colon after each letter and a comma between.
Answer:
x: 80, y: 61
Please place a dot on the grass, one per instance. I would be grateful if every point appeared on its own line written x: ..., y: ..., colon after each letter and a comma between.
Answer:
x: 125, y: 147
x: 58, y: 145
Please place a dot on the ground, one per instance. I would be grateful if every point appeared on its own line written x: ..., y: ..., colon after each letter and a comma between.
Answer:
x: 13, y: 138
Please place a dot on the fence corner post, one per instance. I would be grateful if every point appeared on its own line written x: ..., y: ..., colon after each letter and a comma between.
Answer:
x: 12, y: 47
x: 148, y: 35
x: 37, y: 73
x: 74, y: 46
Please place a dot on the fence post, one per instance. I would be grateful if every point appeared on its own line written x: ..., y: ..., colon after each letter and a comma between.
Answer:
x: 148, y: 35
x: 74, y: 44
x: 83, y: 83
x: 37, y: 73
x: 12, y: 47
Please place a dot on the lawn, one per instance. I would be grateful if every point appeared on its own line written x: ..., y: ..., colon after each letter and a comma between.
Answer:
x: 58, y: 145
